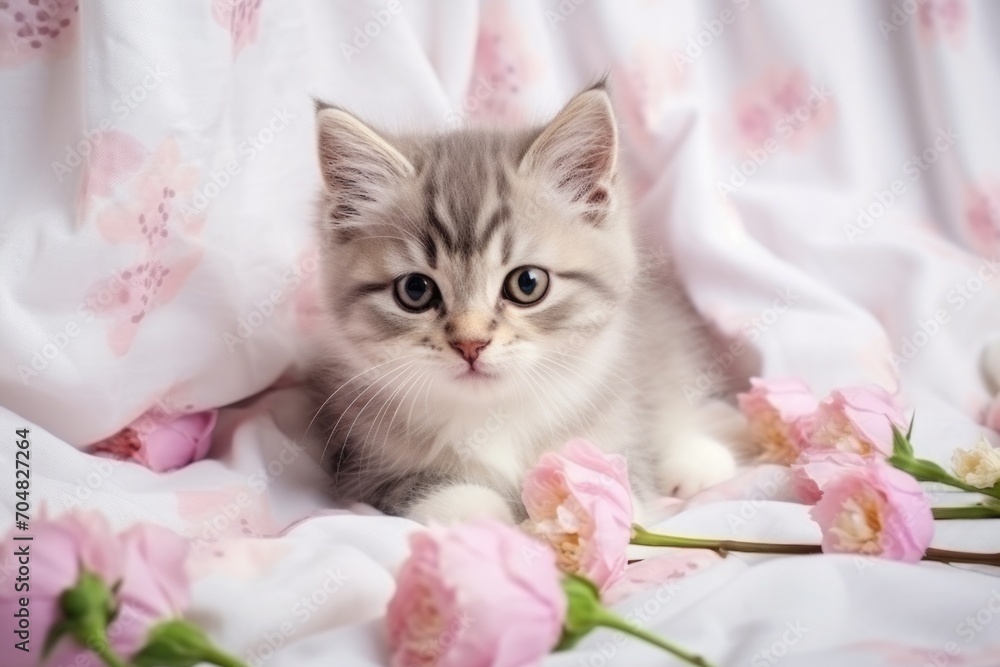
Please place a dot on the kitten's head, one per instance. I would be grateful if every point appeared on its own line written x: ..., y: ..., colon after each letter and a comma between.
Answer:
x: 475, y: 258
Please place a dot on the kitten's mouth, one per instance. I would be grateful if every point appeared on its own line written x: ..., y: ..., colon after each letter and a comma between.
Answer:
x: 473, y: 374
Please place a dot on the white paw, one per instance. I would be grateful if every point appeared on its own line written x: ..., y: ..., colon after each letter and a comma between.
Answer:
x: 461, y: 502
x: 694, y: 464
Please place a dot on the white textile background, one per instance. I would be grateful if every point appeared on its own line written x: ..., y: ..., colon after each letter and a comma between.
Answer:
x: 826, y: 174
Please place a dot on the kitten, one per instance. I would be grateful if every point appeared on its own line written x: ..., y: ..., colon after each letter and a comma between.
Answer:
x: 486, y: 303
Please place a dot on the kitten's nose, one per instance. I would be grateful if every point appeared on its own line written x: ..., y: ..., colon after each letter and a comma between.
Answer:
x: 469, y: 349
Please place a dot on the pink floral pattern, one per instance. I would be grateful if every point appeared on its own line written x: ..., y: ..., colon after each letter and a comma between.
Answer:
x: 982, y: 217
x: 36, y: 30
x: 229, y: 512
x: 114, y: 156
x: 156, y: 215
x: 504, y: 65
x: 783, y: 105
x: 944, y: 19
x: 241, y: 18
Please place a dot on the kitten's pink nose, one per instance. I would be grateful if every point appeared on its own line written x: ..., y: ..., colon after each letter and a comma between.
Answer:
x: 469, y: 349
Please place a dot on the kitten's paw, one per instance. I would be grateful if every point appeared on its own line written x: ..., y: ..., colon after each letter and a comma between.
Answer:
x: 459, y: 502
x: 697, y: 463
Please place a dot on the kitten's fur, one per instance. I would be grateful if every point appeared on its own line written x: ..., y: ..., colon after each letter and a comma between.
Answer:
x: 601, y: 356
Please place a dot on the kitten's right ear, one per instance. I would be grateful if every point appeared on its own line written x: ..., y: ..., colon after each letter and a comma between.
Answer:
x: 358, y: 165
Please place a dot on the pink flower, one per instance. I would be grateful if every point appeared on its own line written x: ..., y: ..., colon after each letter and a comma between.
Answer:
x: 60, y: 550
x: 148, y: 561
x: 580, y: 503
x: 162, y: 445
x: 875, y: 510
x: 241, y: 18
x: 481, y: 594
x: 855, y: 419
x: 775, y: 409
x: 815, y: 469
x: 155, y: 585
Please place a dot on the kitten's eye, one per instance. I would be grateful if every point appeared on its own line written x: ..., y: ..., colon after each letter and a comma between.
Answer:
x: 415, y: 292
x: 526, y: 286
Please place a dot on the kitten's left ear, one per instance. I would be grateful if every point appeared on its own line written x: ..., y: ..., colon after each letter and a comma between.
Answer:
x: 578, y: 151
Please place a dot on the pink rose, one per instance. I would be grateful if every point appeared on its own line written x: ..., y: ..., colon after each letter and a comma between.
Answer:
x: 148, y: 561
x: 579, y: 502
x: 875, y: 510
x: 481, y: 594
x: 155, y: 585
x: 162, y: 445
x: 775, y: 409
x: 856, y: 419
x: 816, y: 468
x: 60, y: 549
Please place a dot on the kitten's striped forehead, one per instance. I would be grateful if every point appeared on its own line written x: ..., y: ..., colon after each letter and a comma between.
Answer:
x: 466, y: 191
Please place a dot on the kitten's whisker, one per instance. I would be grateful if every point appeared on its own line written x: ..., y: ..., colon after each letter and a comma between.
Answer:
x: 399, y: 372
x: 383, y: 411
x: 599, y: 365
x: 344, y: 384
x: 543, y: 398
x: 347, y: 409
x: 592, y: 380
x: 376, y: 420
x: 400, y: 404
x: 576, y: 410
x: 427, y: 377
x: 531, y: 385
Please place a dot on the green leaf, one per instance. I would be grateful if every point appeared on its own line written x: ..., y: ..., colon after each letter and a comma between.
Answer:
x: 584, y: 612
x: 178, y: 643
x: 583, y: 601
x: 901, y: 446
x: 909, y: 429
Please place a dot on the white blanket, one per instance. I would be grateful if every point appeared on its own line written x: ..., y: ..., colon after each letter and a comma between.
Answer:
x: 826, y: 176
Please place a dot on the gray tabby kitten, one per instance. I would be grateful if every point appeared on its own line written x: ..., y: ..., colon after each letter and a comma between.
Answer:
x: 486, y: 303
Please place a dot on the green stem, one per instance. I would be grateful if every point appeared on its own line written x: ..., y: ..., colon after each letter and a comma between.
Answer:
x: 97, y: 642
x: 609, y: 620
x: 643, y: 537
x: 217, y: 657
x: 973, y: 512
x: 928, y: 471
x: 948, y: 556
